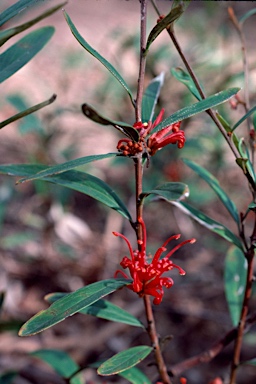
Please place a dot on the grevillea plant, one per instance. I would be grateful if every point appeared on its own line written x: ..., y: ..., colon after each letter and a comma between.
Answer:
x: 150, y: 276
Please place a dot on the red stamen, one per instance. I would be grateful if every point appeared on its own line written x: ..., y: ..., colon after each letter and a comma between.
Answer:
x: 191, y: 241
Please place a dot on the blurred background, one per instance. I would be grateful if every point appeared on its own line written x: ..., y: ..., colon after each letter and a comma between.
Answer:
x: 53, y: 239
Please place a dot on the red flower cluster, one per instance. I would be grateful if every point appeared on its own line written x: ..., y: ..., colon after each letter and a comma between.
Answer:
x: 147, y: 277
x: 168, y: 135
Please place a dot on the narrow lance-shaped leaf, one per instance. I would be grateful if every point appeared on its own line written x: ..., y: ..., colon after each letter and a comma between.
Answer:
x: 247, y: 15
x: 15, y: 10
x: 124, y: 360
x: 209, y: 223
x: 243, y: 150
x: 78, y: 181
x: 214, y: 184
x: 126, y: 129
x: 198, y: 107
x: 168, y: 192
x: 174, y: 14
x: 8, y: 33
x: 71, y: 304
x: 23, y: 51
x: 150, y: 97
x: 96, y: 54
x: 27, y: 111
x: 244, y: 118
x: 67, y: 166
x: 103, y: 309
x: 181, y: 75
x: 31, y: 122
x: 183, y: 3
x: 235, y: 280
x: 60, y: 361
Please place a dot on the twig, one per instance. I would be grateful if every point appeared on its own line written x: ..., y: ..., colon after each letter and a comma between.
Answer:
x: 213, y: 351
x: 242, y: 323
x: 210, y: 112
x: 139, y: 177
x: 246, y: 102
x: 143, y: 42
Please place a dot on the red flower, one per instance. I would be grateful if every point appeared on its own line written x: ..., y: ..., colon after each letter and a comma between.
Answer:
x: 147, y: 277
x: 168, y: 135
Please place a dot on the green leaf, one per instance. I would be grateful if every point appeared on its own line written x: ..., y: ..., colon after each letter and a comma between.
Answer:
x: 250, y: 362
x: 102, y: 309
x: 8, y: 33
x: 135, y: 376
x: 8, y: 377
x: 209, y: 223
x: 71, y: 304
x: 254, y: 121
x: 67, y: 166
x: 182, y: 76
x: 198, y: 107
x: 60, y: 361
x: 75, y: 180
x: 150, y: 97
x: 169, y: 191
x: 173, y: 15
x: 23, y: 51
x: 245, y: 160
x: 126, y: 129
x: 21, y: 169
x: 124, y: 360
x: 243, y: 118
x: 247, y: 15
x: 15, y: 10
x: 30, y: 123
x: 214, y: 184
x: 235, y: 280
x: 94, y: 53
x: 27, y: 111
x: 184, y: 3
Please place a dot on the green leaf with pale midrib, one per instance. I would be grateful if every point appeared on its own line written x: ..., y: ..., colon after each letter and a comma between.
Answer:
x: 67, y: 166
x: 198, y: 107
x: 94, y: 53
x: 102, y: 309
x: 76, y: 180
x: 124, y: 360
x: 169, y: 191
x: 8, y: 33
x: 214, y: 184
x: 71, y: 304
x: 150, y: 97
x: 235, y: 280
x: 209, y: 223
x: 23, y: 51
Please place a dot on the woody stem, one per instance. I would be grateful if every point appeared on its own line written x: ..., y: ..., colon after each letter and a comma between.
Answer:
x: 139, y: 207
x: 143, y: 41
